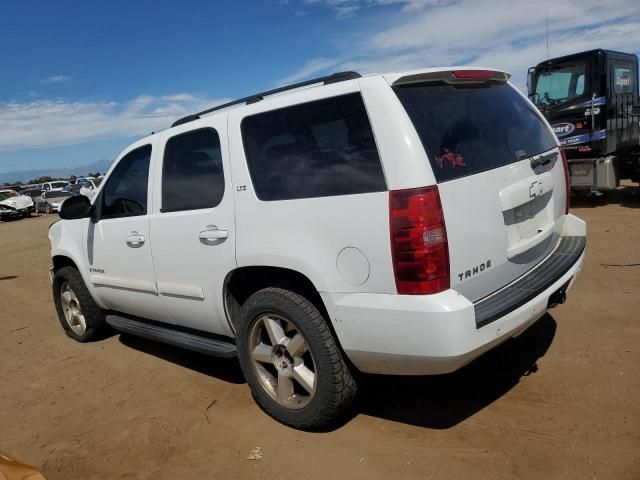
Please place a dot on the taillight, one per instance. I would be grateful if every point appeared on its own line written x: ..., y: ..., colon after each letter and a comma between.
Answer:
x: 418, y: 241
x: 567, y: 180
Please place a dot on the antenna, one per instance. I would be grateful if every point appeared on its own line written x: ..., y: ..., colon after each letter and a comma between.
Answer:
x: 547, y: 17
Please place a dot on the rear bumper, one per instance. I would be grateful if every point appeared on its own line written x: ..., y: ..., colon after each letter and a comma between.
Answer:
x: 432, y: 334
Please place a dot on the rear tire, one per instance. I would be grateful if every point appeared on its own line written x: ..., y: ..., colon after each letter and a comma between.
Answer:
x: 47, y: 208
x: 81, y: 318
x: 292, y: 362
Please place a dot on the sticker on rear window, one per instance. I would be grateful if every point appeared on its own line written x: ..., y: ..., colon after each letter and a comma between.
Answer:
x: 450, y: 158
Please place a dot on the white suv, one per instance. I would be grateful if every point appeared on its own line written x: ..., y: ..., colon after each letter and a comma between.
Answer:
x: 398, y: 224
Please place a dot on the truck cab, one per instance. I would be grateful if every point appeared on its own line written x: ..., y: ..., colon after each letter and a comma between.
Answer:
x: 587, y: 98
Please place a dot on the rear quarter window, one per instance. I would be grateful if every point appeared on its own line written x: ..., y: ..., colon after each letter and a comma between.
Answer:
x: 471, y: 129
x: 316, y: 149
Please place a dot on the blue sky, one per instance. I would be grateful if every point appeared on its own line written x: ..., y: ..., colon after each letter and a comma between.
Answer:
x: 80, y: 80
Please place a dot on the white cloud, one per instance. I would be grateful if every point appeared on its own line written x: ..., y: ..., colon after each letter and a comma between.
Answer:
x: 55, y: 79
x: 501, y: 34
x: 310, y: 68
x: 47, y: 123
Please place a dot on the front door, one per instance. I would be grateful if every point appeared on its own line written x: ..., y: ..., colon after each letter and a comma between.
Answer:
x: 192, y: 226
x: 118, y: 249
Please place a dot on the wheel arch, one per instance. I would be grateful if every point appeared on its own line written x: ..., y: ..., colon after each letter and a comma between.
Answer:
x: 60, y: 261
x: 243, y: 282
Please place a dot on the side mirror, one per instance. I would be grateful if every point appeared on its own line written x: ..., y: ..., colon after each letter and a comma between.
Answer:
x: 74, y: 208
x: 635, y: 111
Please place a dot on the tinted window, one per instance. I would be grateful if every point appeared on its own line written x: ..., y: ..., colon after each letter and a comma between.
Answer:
x: 57, y: 194
x: 469, y: 130
x: 125, y: 193
x: 192, y: 175
x: 316, y: 149
x: 59, y: 184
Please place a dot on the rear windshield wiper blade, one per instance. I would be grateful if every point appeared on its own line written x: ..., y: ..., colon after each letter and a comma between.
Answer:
x: 543, y: 159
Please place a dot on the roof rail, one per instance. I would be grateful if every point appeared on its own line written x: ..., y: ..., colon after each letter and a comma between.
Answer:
x: 326, y: 80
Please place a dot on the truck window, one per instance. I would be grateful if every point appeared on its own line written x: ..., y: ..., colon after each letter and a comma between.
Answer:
x: 316, y: 149
x: 468, y: 130
x: 623, y: 79
x: 125, y: 193
x: 192, y: 176
x: 560, y: 84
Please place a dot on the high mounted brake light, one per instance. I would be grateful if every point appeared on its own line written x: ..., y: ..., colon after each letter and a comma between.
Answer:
x: 454, y: 77
x: 418, y: 241
x: 474, y: 74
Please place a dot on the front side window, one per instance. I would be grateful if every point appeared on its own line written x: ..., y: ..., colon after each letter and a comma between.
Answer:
x: 192, y: 176
x: 316, y: 149
x: 125, y: 193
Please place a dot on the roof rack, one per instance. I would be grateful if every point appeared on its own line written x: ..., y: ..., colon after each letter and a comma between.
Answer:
x: 326, y: 80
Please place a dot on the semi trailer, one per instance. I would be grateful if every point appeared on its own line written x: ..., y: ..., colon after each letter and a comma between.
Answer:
x: 591, y: 101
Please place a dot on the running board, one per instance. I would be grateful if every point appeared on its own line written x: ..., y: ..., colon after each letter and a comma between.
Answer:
x: 191, y: 341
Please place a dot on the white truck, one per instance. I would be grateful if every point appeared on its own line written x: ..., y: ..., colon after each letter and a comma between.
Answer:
x: 402, y: 223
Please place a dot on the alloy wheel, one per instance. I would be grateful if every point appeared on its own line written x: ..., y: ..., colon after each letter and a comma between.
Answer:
x: 282, y: 361
x: 72, y: 310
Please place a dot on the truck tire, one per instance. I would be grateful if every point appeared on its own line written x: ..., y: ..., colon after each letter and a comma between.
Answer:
x: 291, y: 360
x: 81, y: 318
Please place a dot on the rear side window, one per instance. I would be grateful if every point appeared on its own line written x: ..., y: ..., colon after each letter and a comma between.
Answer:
x: 192, y: 176
x: 125, y: 193
x: 467, y: 130
x: 316, y: 149
x: 623, y: 80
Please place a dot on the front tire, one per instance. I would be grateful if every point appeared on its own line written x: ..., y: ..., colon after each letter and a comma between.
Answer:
x: 81, y: 318
x: 291, y: 360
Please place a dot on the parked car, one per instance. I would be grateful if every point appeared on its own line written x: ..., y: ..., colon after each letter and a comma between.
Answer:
x: 22, y: 204
x: 53, y: 186
x: 396, y: 224
x: 90, y: 187
x: 73, y: 188
x: 82, y: 180
x: 34, y: 193
x: 50, y: 202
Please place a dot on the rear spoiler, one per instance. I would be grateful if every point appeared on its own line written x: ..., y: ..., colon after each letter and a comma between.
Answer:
x: 457, y: 76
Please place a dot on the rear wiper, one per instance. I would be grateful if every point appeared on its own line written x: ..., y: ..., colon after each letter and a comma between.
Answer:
x: 543, y: 159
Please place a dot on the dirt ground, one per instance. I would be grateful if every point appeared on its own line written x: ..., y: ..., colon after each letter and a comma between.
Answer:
x: 561, y: 401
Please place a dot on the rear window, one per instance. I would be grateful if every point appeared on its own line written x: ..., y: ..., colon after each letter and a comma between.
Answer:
x: 316, y: 149
x: 467, y: 130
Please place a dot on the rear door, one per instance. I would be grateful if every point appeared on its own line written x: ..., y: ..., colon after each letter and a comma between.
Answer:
x: 193, y: 226
x: 500, y: 176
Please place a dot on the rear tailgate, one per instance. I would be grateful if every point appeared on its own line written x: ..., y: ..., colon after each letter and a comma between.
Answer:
x: 499, y: 172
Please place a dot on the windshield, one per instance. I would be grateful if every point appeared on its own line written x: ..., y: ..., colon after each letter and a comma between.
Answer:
x: 59, y: 184
x: 554, y: 85
x: 473, y: 129
x: 97, y: 182
x: 5, y: 195
x: 58, y: 194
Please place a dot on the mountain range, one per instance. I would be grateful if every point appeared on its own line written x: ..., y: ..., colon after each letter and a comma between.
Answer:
x: 25, y: 175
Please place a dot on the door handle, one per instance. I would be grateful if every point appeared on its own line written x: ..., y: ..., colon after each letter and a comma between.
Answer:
x: 135, y: 240
x: 213, y: 234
